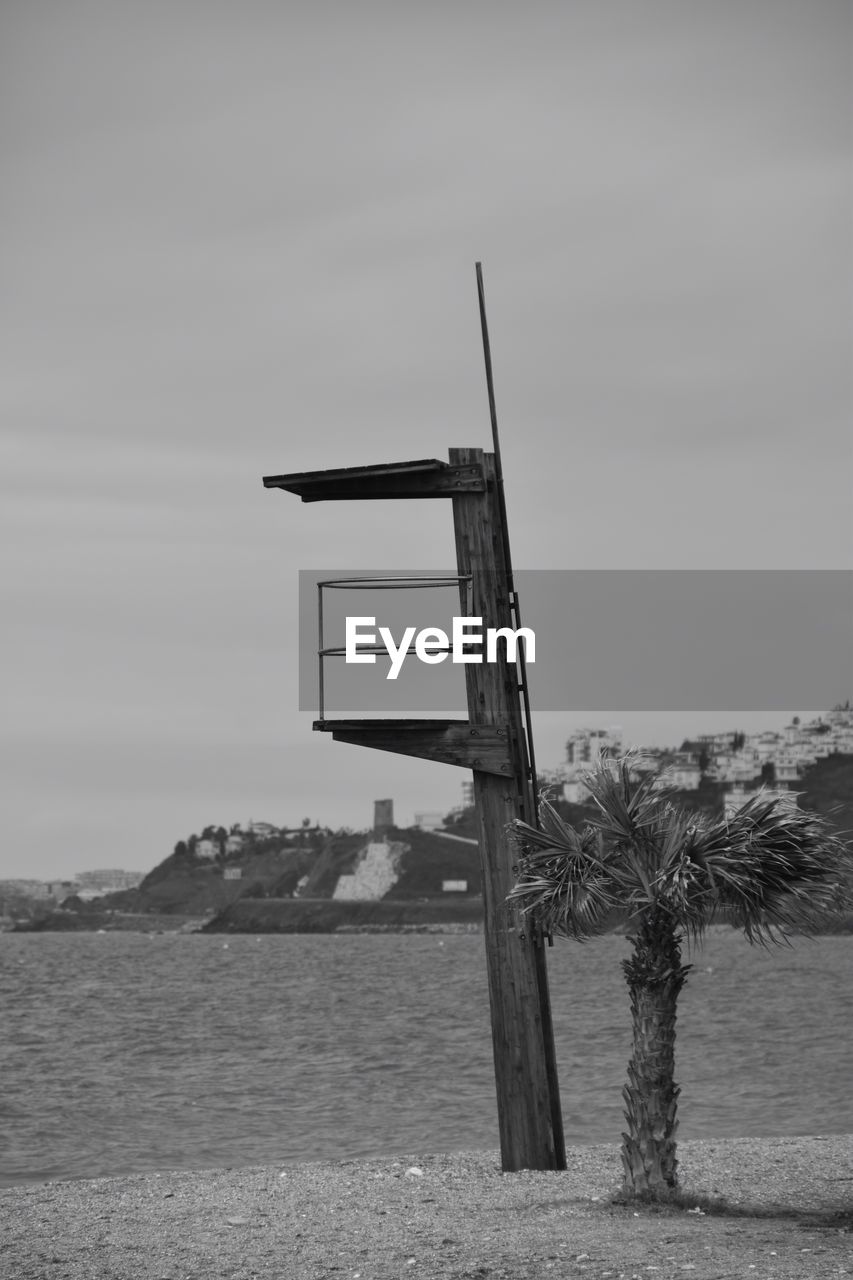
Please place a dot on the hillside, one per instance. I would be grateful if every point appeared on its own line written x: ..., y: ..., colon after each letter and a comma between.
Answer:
x: 183, y: 887
x: 278, y: 880
x: 337, y: 858
x: 431, y: 859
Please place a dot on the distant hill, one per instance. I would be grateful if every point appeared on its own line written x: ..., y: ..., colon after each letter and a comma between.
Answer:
x: 191, y: 887
x: 184, y: 887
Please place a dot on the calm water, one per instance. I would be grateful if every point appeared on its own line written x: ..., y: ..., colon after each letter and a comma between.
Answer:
x: 123, y: 1053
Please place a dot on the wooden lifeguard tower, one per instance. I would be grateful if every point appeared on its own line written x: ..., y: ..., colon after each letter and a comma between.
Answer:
x: 495, y: 743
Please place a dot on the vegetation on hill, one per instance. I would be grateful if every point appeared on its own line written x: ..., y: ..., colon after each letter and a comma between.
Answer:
x: 827, y: 788
x: 431, y: 859
x: 280, y: 872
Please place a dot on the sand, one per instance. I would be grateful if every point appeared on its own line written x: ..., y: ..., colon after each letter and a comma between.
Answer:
x: 451, y: 1217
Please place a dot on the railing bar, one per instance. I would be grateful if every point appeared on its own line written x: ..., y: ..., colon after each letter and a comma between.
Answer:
x: 321, y: 689
x: 383, y: 582
x: 361, y: 584
x: 339, y: 652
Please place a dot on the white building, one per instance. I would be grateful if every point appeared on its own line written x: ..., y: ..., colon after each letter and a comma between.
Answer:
x: 736, y: 766
x: 263, y: 829
x: 585, y: 745
x: 787, y: 766
x: 553, y: 779
x: 686, y: 777
x: 738, y: 796
x: 429, y: 821
x: 575, y: 792
x: 764, y: 745
x: 109, y: 881
x: 37, y: 889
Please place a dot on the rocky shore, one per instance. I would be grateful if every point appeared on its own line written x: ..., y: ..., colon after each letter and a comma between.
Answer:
x: 773, y: 1209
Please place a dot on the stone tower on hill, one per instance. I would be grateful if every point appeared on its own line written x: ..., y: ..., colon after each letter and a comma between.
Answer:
x: 383, y: 816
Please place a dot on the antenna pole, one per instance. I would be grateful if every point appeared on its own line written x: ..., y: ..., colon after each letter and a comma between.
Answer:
x: 532, y: 817
x: 493, y: 413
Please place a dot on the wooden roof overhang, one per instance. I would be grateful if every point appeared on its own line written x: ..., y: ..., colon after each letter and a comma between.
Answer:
x: 423, y: 478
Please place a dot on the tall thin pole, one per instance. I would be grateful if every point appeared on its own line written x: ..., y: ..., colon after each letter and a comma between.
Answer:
x: 499, y: 475
x: 493, y: 414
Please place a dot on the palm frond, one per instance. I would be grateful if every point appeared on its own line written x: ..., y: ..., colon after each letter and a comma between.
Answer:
x: 629, y: 807
x: 561, y: 876
x: 768, y: 869
x: 778, y: 868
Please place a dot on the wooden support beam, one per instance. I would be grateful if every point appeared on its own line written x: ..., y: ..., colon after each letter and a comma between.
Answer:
x: 484, y: 746
x: 529, y: 1117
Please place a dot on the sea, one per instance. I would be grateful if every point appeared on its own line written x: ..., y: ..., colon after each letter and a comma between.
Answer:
x: 127, y: 1053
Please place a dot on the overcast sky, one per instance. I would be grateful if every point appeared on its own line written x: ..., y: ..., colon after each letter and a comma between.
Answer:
x: 240, y: 240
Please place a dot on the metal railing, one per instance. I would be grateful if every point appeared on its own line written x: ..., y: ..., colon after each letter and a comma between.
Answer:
x: 384, y: 582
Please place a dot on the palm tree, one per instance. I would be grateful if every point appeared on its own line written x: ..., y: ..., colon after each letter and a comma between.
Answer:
x: 666, y: 873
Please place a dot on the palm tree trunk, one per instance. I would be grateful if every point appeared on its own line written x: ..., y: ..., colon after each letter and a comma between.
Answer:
x: 655, y: 976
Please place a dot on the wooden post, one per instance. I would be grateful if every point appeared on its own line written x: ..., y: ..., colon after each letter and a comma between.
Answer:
x: 525, y: 1075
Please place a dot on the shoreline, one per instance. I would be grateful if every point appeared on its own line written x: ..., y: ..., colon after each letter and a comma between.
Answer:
x: 446, y: 1216
x: 201, y: 926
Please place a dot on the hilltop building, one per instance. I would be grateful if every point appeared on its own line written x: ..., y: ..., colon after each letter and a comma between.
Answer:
x: 429, y: 821
x: 740, y: 761
x: 383, y: 816
x: 582, y: 750
x: 110, y: 881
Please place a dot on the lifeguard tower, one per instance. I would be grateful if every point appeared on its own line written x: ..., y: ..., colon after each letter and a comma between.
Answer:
x: 495, y: 743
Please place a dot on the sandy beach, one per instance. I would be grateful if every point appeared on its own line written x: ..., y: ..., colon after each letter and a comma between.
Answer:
x: 454, y: 1217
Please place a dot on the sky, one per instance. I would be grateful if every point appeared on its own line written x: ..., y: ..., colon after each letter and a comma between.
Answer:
x: 239, y: 240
